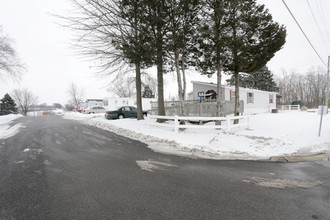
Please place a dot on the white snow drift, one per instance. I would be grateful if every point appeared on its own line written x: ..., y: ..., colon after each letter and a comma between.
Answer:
x: 6, y: 130
x: 283, y: 134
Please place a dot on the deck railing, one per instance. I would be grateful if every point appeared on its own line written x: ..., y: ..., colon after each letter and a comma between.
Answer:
x: 228, y: 125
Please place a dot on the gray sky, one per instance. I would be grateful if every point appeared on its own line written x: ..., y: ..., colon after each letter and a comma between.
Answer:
x: 43, y: 46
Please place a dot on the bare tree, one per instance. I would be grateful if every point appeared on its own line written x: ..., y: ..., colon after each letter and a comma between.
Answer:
x: 69, y: 106
x: 9, y: 61
x: 151, y: 82
x: 110, y: 33
x: 123, y: 86
x: 24, y: 99
x: 76, y: 95
x: 308, y: 88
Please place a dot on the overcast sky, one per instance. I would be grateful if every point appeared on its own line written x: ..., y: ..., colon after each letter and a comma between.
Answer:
x: 51, y: 64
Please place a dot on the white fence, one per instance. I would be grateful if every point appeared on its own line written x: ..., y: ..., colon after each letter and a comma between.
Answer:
x: 227, y: 126
x: 291, y: 107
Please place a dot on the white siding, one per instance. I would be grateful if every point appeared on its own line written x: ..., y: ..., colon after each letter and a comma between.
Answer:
x: 115, y: 102
x: 260, y: 98
x: 203, y: 88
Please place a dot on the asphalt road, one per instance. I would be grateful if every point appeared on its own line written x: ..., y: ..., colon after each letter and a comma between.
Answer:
x: 61, y: 169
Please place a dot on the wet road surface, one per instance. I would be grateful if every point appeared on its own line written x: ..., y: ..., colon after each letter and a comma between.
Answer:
x: 61, y: 169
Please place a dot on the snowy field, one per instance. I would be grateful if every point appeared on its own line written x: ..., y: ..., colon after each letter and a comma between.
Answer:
x: 6, y: 130
x: 286, y: 133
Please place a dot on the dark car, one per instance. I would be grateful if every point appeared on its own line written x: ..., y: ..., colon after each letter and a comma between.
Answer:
x: 123, y: 112
x: 7, y: 112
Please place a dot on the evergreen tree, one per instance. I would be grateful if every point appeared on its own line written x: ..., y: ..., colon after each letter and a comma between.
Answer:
x: 211, y: 42
x: 7, y: 103
x: 147, y: 92
x: 252, y: 40
x: 183, y: 22
x: 262, y: 79
x: 134, y: 42
x: 155, y: 16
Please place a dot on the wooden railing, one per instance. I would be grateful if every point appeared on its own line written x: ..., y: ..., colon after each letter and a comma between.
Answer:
x: 290, y: 107
x: 228, y: 125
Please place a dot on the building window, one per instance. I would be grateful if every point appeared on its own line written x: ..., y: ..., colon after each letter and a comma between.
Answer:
x: 250, y: 97
x: 271, y: 99
x: 232, y: 95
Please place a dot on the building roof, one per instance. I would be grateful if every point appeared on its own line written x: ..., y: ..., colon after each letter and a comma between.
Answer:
x: 211, y: 84
x: 96, y: 100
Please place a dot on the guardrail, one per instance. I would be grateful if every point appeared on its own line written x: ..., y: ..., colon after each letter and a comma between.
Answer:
x: 228, y: 125
x: 291, y: 107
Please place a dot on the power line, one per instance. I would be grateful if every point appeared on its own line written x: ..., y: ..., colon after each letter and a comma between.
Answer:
x: 318, y: 26
x: 310, y: 43
x: 324, y: 21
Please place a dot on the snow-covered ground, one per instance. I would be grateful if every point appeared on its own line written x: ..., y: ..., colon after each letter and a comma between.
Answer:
x: 282, y: 134
x: 6, y: 130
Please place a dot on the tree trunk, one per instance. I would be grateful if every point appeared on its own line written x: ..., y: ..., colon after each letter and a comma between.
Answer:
x: 160, y: 80
x: 219, y: 92
x: 236, y: 113
x: 179, y: 80
x: 138, y: 91
x: 183, y: 76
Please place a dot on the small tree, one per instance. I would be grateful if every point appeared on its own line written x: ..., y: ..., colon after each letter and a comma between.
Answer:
x: 76, y: 95
x: 148, y: 80
x: 25, y: 99
x: 69, y: 106
x: 7, y: 103
x: 147, y: 92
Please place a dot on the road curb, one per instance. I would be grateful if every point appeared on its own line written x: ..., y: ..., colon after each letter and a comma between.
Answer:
x: 294, y: 159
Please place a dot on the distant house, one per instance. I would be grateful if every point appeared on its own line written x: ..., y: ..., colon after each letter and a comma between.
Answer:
x: 116, y: 102
x: 255, y: 101
x: 90, y: 103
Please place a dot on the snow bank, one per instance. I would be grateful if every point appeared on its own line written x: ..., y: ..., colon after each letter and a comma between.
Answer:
x: 283, y: 134
x: 6, y: 130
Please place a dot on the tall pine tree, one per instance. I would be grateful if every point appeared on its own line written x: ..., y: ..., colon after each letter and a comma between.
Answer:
x: 183, y: 21
x: 252, y: 40
x: 211, y: 42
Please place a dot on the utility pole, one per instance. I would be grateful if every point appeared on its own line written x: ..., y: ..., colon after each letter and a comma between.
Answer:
x: 327, y: 85
x: 326, y: 98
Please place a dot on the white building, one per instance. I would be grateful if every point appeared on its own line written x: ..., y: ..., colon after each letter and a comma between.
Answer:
x: 91, y: 103
x: 255, y: 101
x: 115, y: 102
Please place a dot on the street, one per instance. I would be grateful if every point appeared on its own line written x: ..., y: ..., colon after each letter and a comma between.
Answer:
x: 62, y: 169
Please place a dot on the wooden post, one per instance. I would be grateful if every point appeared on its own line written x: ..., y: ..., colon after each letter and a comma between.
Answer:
x: 176, y: 124
x: 228, y: 123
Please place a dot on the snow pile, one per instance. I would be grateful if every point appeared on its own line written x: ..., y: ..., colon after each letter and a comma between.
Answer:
x: 6, y: 130
x: 282, y: 134
x: 81, y: 116
x: 58, y: 111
